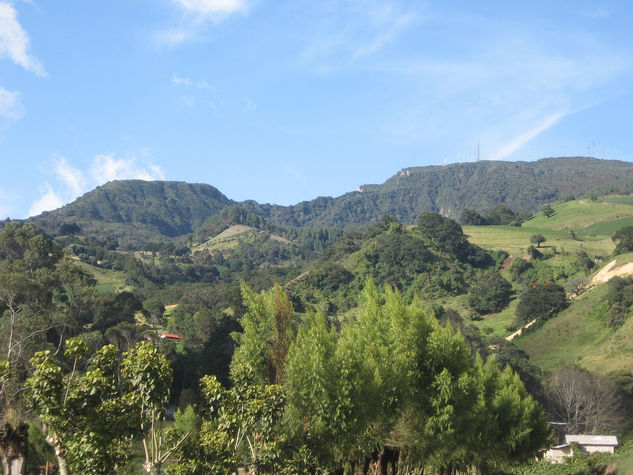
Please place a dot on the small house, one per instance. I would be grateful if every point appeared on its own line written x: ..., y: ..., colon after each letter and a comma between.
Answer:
x: 170, y: 336
x: 594, y: 443
x: 587, y: 443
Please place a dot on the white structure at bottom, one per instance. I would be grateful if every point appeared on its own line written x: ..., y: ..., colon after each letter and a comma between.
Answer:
x: 594, y: 443
x: 588, y: 443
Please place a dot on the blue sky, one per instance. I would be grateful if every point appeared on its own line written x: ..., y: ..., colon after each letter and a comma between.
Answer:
x: 283, y: 101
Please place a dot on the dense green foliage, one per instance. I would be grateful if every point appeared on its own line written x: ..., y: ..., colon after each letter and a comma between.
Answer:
x: 91, y: 416
x: 548, y: 211
x: 132, y: 211
x: 391, y: 385
x: 537, y: 239
x: 490, y: 294
x: 433, y: 259
x: 540, y: 301
x: 381, y: 383
x: 498, y: 215
x: 623, y: 239
x: 620, y: 298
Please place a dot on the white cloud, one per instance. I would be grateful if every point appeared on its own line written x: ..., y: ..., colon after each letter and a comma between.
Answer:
x: 173, y: 36
x: 72, y: 178
x: 503, y: 96
x: 353, y: 30
x: 106, y: 168
x: 377, y: 43
x: 14, y: 42
x: 71, y: 182
x: 49, y: 201
x: 186, y: 82
x: 197, y: 12
x: 524, y: 137
x: 10, y: 106
x: 248, y: 104
x: 217, y: 9
x: 182, y: 81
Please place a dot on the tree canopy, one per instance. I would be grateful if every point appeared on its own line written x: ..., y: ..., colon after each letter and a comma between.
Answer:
x: 623, y: 239
x: 490, y: 294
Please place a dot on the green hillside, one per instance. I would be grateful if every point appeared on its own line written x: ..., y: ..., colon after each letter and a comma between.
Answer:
x: 579, y: 335
x: 591, y: 221
x: 449, y: 189
x: 132, y: 212
x: 483, y: 281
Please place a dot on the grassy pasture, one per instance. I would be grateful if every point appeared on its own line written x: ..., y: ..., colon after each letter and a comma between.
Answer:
x: 108, y: 281
x: 579, y: 214
x: 580, y: 335
x: 592, y: 221
x: 516, y: 239
x: 227, y: 239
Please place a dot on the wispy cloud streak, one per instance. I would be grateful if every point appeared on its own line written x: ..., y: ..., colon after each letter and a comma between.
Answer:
x: 14, y: 42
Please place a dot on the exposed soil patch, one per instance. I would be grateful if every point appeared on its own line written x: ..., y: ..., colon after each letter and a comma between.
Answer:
x: 610, y: 271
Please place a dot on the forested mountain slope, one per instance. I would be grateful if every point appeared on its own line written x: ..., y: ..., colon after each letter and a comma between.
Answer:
x: 133, y: 211
x: 449, y: 189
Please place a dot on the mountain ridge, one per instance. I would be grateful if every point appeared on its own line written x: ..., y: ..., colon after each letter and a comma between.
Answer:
x: 133, y: 210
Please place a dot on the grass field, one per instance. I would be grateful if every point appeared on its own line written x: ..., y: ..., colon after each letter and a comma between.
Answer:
x: 227, y: 239
x: 108, y: 281
x: 579, y: 335
x: 516, y: 239
x: 579, y: 214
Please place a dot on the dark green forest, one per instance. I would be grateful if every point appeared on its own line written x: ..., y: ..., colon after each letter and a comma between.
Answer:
x: 161, y: 327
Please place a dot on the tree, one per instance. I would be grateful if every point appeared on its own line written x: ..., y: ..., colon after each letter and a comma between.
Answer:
x: 623, y: 239
x: 266, y: 337
x: 90, y: 416
x: 146, y: 379
x: 330, y: 395
x: 588, y: 403
x: 540, y: 301
x: 585, y: 263
x: 534, y: 253
x: 397, y: 383
x: 87, y: 419
x: 490, y: 294
x: 470, y: 217
x: 548, y: 211
x: 444, y: 232
x: 42, y: 297
x: 537, y: 239
x: 447, y: 235
x: 238, y: 427
x: 68, y: 228
x: 500, y: 214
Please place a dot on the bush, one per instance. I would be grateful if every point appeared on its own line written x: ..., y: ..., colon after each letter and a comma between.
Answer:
x: 623, y: 239
x: 491, y: 294
x: 540, y: 301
